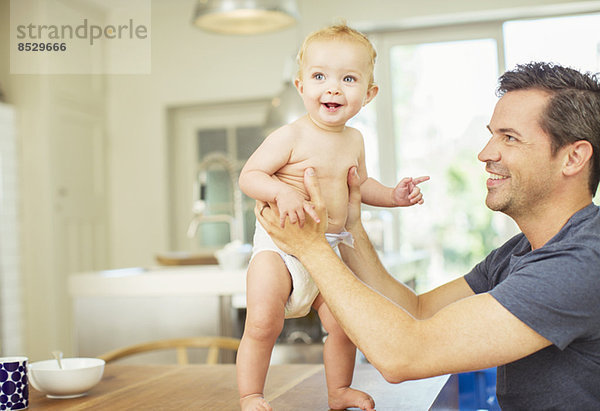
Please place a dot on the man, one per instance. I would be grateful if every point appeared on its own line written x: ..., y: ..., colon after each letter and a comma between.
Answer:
x: 532, y: 307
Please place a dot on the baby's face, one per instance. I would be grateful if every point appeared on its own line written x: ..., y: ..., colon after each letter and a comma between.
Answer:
x: 335, y: 82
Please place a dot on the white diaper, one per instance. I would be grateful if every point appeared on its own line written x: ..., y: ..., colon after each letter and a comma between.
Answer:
x: 304, y: 290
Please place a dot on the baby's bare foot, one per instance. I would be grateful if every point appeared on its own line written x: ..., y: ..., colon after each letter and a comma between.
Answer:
x: 347, y: 397
x: 254, y: 402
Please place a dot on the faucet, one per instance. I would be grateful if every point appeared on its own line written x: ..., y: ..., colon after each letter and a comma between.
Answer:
x: 235, y: 221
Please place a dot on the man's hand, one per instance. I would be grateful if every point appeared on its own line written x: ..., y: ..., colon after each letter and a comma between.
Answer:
x: 354, y: 199
x: 292, y: 238
x: 407, y: 192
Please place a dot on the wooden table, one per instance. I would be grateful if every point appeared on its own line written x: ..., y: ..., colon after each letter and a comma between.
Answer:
x: 213, y: 387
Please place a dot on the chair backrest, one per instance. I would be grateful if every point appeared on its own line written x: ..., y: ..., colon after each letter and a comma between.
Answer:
x: 214, y: 344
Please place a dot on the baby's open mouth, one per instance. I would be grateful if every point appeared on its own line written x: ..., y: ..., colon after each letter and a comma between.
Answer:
x: 331, y: 105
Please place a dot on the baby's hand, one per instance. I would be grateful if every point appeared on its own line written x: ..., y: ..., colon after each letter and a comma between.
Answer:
x: 292, y: 204
x: 407, y: 192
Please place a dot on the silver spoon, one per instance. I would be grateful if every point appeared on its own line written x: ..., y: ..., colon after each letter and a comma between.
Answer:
x: 58, y: 355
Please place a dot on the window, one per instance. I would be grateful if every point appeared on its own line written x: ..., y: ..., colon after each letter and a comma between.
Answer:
x: 219, y: 196
x: 437, y: 93
x: 231, y: 131
x: 573, y: 41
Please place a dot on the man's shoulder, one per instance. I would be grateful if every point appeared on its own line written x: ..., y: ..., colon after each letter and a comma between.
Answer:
x: 582, y: 231
x: 587, y: 219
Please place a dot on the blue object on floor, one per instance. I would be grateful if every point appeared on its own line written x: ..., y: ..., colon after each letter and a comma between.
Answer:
x: 477, y: 390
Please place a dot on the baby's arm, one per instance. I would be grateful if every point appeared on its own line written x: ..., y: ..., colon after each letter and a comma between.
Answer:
x: 257, y: 177
x: 372, y: 192
x: 405, y: 194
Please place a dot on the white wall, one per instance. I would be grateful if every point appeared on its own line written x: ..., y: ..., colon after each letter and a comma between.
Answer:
x: 190, y: 66
x: 49, y: 109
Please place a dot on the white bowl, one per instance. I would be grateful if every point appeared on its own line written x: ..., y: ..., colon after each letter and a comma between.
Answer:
x: 76, y: 378
x: 234, y: 256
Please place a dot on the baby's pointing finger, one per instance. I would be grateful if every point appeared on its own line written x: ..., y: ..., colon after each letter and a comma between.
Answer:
x: 419, y: 180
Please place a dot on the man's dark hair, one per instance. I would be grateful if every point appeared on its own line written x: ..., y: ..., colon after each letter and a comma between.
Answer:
x: 573, y: 112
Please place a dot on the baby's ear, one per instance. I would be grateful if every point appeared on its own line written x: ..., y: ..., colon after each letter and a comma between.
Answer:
x: 299, y: 85
x: 371, y: 93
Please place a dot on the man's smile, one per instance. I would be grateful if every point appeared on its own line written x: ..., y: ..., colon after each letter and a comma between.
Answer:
x: 497, y: 176
x: 496, y: 179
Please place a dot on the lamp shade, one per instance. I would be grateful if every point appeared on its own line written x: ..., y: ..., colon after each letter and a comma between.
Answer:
x: 245, y: 16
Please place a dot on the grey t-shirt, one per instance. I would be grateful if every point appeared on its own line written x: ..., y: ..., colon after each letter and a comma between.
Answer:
x: 555, y: 290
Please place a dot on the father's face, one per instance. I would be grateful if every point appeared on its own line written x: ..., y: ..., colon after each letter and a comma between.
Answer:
x: 518, y: 156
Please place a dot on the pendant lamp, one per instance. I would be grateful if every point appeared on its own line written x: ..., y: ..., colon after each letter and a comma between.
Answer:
x: 245, y: 16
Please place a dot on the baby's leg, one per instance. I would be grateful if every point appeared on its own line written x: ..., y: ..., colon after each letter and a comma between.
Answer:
x: 339, y: 354
x: 268, y: 287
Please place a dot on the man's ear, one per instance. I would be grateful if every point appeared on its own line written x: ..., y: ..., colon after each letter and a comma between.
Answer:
x: 578, y: 154
x: 299, y: 85
x: 371, y: 93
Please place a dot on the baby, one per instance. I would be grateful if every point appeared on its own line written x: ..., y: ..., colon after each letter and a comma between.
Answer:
x: 335, y: 80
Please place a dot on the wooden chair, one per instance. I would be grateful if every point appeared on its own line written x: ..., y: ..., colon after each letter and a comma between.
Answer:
x: 214, y: 344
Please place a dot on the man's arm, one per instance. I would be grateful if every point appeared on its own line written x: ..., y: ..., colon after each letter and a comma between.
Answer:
x: 364, y: 262
x: 472, y: 333
x: 366, y: 265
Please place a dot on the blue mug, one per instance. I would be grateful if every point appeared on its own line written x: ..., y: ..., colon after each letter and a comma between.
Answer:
x: 14, y: 385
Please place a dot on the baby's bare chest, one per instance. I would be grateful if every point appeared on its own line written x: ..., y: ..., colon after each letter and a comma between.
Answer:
x: 331, y: 160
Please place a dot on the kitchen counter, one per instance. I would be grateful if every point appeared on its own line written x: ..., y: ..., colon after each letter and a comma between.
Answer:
x: 132, y: 299
x: 119, y: 307
x: 159, y: 281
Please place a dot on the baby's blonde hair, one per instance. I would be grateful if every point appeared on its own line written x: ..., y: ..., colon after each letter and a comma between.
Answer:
x: 338, y: 32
